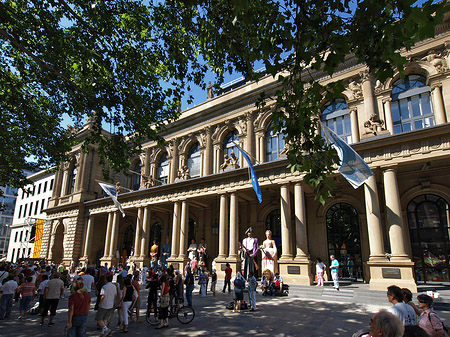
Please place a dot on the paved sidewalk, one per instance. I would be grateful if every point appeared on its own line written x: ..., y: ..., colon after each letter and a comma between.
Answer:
x: 275, y: 316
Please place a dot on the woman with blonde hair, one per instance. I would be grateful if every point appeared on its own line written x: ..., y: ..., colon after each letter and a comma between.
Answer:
x: 79, y: 304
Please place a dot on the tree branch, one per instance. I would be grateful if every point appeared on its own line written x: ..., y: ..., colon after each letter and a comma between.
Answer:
x: 79, y: 18
x: 41, y: 63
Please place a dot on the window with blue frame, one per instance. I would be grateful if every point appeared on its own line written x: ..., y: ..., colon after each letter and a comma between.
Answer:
x: 194, y: 161
x: 274, y: 144
x: 336, y: 116
x: 163, y: 170
x: 229, y: 145
x: 411, y: 104
x: 136, y: 177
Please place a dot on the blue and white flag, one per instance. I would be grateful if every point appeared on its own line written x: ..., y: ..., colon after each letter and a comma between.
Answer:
x: 254, y: 178
x: 112, y: 192
x: 353, y: 167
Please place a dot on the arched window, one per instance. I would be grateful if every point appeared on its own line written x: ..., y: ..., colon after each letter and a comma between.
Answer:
x: 344, y: 240
x: 275, y: 144
x: 163, y: 170
x: 192, y: 230
x: 72, y: 179
x: 336, y: 116
x: 428, y: 216
x: 229, y: 145
x: 155, y: 233
x: 273, y: 222
x: 194, y: 161
x: 411, y: 104
x: 128, y: 239
x: 136, y: 177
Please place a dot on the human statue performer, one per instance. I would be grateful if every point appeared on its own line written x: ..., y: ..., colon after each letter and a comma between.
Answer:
x: 250, y: 247
x: 165, y: 253
x: 154, y: 250
x: 269, y: 253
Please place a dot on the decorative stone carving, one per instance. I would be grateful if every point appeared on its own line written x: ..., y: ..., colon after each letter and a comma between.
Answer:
x: 364, y: 75
x: 201, y: 139
x: 119, y: 189
x: 257, y: 120
x: 229, y: 162
x: 77, y: 156
x: 355, y: 89
x: 66, y: 165
x: 374, y: 125
x: 185, y: 172
x: 209, y: 90
x: 215, y: 134
x: 148, y: 181
x: 378, y: 86
x: 437, y: 60
x: 241, y: 127
x: 142, y: 158
x: 285, y: 150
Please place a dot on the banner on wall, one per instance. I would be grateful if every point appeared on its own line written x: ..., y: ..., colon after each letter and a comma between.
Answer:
x: 38, y: 238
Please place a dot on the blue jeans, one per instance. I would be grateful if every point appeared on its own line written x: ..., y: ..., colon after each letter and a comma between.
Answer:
x: 78, y: 328
x: 6, y: 302
x: 252, y: 298
x: 189, y: 290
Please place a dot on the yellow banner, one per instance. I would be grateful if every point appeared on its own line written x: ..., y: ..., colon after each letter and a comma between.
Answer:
x: 38, y: 238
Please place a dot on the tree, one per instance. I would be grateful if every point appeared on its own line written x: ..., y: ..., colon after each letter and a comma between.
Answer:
x: 128, y: 63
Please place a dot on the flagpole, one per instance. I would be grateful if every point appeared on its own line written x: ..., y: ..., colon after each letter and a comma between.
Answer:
x: 142, y: 175
x: 248, y: 154
x: 107, y: 183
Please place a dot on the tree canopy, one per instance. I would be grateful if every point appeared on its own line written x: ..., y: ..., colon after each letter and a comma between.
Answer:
x: 127, y: 64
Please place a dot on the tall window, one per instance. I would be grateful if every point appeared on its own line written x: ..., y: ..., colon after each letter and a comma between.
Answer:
x: 411, y: 104
x: 163, y: 170
x: 336, y: 116
x: 72, y: 179
x: 275, y: 144
x: 136, y: 177
x: 194, y: 161
x: 229, y: 145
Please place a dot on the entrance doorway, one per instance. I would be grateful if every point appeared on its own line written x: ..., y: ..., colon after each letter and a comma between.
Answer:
x: 273, y: 223
x: 344, y: 240
x: 428, y: 216
x: 58, y: 245
x: 155, y: 234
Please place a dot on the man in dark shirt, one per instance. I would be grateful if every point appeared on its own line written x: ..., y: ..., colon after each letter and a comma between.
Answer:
x: 189, y: 282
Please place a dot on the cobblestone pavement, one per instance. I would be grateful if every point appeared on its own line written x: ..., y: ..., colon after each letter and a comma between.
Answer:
x: 280, y: 316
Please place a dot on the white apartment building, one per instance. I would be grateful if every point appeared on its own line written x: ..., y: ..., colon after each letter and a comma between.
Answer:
x: 29, y: 217
x: 7, y: 202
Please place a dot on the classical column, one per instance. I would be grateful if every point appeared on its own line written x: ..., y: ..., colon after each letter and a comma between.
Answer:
x: 394, y: 215
x: 208, y: 152
x: 114, y: 235
x: 250, y: 137
x: 354, y: 125
x: 138, y: 233
x: 173, y: 160
x: 439, y: 109
x: 376, y: 242
x: 184, y: 229
x: 145, y: 244
x: 216, y: 163
x: 176, y: 229
x: 89, y: 234
x: 388, y: 115
x: 223, y: 226
x: 262, y: 148
x: 234, y: 218
x: 300, y: 223
x: 369, y: 99
x: 108, y: 234
x: 82, y: 172
x: 286, y: 230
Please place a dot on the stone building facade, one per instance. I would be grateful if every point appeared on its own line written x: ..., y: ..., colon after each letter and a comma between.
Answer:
x: 395, y: 229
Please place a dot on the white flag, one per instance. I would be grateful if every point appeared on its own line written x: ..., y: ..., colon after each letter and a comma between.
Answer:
x: 112, y: 192
x: 353, y: 167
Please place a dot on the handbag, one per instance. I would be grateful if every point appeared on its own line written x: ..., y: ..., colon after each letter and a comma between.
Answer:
x: 164, y: 302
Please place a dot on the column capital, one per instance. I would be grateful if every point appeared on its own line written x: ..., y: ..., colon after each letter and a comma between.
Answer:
x: 435, y: 85
x: 386, y: 99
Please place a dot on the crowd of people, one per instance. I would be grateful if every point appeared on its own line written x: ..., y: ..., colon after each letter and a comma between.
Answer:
x: 406, y: 319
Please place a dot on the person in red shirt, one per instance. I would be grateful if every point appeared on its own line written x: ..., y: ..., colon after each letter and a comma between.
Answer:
x: 135, y: 284
x: 26, y: 290
x: 228, y: 272
x: 79, y: 304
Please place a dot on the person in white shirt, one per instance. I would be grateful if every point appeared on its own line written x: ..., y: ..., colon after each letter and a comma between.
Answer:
x: 320, y: 269
x: 106, y: 307
x: 89, y: 281
x: 6, y: 301
x: 400, y: 309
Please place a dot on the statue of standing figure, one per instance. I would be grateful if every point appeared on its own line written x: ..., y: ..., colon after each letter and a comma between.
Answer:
x: 209, y: 90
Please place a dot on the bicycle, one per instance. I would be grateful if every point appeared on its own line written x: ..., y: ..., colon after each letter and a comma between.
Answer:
x: 184, y: 314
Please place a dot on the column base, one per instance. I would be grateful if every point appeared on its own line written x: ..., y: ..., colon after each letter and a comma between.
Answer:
x: 385, y: 274
x: 296, y: 271
x: 221, y: 265
x: 140, y: 261
x: 178, y: 263
x: 111, y: 260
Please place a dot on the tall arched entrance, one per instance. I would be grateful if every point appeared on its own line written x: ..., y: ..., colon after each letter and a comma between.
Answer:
x: 273, y: 222
x: 155, y: 233
x: 344, y: 239
x: 428, y: 220
x: 128, y: 240
x: 58, y: 244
